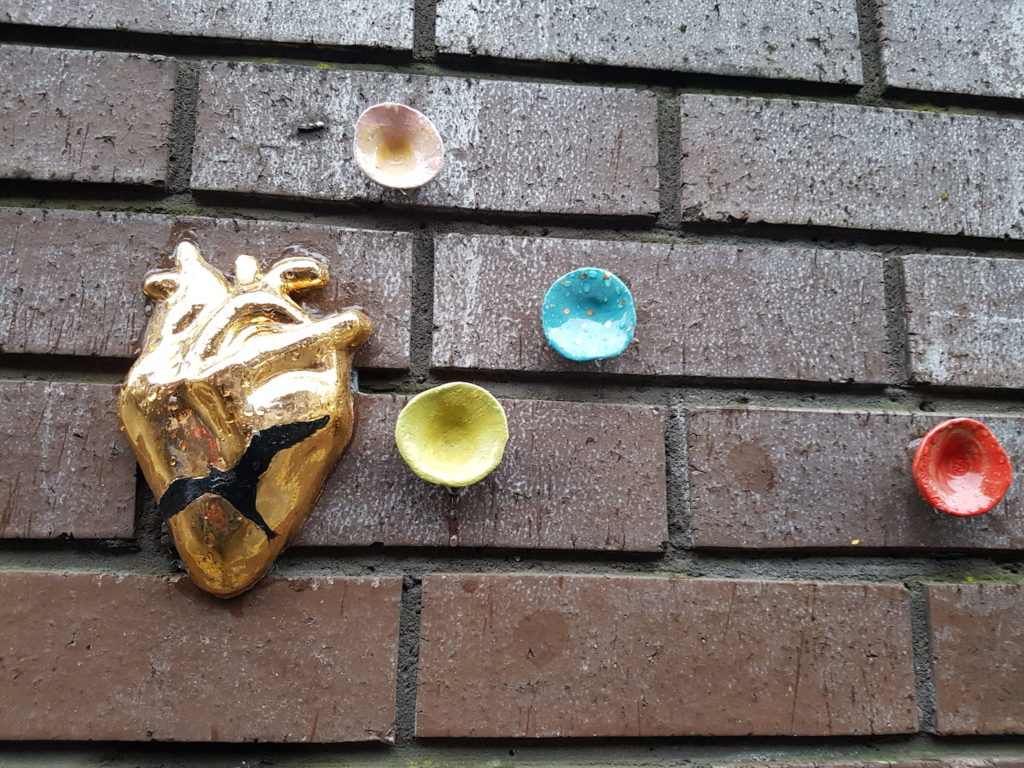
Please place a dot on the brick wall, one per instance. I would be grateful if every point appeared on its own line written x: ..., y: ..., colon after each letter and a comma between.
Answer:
x: 707, y: 550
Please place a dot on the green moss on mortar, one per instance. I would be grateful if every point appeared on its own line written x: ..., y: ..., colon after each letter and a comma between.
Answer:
x: 182, y: 209
x: 653, y: 238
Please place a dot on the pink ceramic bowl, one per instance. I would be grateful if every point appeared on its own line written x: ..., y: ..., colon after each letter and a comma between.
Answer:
x: 960, y: 468
x: 397, y: 146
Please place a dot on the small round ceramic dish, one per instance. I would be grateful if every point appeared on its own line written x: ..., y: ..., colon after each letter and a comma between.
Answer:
x: 452, y: 435
x: 961, y: 469
x: 588, y: 314
x: 397, y: 146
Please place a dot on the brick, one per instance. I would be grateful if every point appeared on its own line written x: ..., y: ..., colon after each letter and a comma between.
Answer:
x: 779, y: 479
x: 779, y: 313
x: 977, y: 646
x: 964, y: 320
x: 575, y: 476
x: 502, y: 140
x: 96, y: 308
x: 800, y: 41
x: 945, y: 45
x: 344, y: 23
x: 114, y: 657
x: 569, y: 655
x: 842, y: 165
x: 66, y: 468
x: 85, y: 115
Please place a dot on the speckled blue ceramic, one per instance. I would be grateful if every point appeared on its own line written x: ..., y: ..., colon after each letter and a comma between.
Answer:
x: 588, y: 314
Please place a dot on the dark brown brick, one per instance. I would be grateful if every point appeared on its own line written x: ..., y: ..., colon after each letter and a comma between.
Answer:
x: 778, y: 313
x: 946, y: 45
x: 843, y: 165
x: 71, y: 282
x: 84, y: 115
x: 799, y: 41
x: 66, y: 468
x: 338, y: 23
x: 503, y: 140
x: 574, y: 476
x: 964, y: 320
x: 977, y: 644
x: 766, y: 478
x: 137, y: 658
x: 568, y: 655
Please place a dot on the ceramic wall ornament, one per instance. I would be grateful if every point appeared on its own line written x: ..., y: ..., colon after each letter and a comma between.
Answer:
x: 397, y: 146
x: 237, y: 408
x: 960, y: 468
x: 588, y: 314
x: 453, y: 435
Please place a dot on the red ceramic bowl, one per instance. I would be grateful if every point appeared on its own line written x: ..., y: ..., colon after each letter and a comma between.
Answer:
x: 961, y: 468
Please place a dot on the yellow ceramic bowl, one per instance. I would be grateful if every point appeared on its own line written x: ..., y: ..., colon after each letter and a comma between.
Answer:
x: 452, y: 435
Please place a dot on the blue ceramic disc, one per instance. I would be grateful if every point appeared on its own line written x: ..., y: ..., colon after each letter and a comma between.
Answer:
x: 588, y: 314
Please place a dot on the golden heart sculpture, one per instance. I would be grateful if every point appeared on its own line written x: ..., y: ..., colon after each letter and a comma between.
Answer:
x: 237, y: 408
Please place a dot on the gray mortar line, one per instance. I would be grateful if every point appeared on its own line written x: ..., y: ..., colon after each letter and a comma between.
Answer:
x: 896, y: 324
x: 79, y: 369
x: 424, y: 34
x: 696, y: 752
x: 924, y: 679
x: 869, y: 28
x: 627, y: 390
x: 677, y: 481
x: 669, y: 183
x: 693, y: 393
x: 421, y: 318
x: 183, y: 126
x: 867, y: 566
x: 509, y: 224
x: 564, y: 73
x: 408, y: 660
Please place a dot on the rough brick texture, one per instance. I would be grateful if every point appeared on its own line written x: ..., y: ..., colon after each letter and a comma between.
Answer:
x: 964, y: 320
x: 542, y: 496
x: 947, y: 45
x: 138, y: 657
x: 977, y: 644
x: 766, y: 478
x: 504, y: 139
x: 779, y: 313
x: 812, y: 275
x: 841, y: 165
x: 97, y: 307
x: 84, y: 115
x: 564, y: 655
x: 66, y: 468
x: 336, y: 23
x: 801, y: 41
